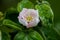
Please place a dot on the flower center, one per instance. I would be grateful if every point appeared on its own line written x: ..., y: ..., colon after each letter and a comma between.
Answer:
x: 29, y: 18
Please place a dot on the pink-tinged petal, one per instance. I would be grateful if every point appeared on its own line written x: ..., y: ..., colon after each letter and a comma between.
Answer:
x: 22, y: 21
x: 34, y: 13
x: 29, y: 17
x: 33, y: 23
x: 23, y: 12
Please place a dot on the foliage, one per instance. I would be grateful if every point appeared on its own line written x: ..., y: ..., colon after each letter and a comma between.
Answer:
x: 45, y: 30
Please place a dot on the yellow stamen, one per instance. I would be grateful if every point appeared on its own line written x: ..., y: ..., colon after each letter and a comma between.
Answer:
x: 29, y: 18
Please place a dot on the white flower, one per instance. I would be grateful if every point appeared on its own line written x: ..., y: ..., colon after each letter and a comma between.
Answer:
x: 29, y: 17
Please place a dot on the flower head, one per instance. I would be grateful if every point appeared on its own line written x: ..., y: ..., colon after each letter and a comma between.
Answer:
x: 29, y: 17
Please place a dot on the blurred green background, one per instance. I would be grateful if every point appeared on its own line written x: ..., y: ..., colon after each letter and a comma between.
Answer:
x: 55, y: 5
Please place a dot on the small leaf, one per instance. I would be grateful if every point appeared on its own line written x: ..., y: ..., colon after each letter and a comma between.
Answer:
x: 32, y: 35
x: 11, y: 24
x: 24, y: 4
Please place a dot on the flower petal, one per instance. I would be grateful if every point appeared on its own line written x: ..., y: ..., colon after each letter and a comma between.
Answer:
x: 33, y: 23
x: 29, y: 17
x: 22, y: 21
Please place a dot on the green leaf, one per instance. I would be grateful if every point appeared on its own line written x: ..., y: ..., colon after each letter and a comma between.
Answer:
x: 32, y: 35
x: 11, y: 24
x: 4, y: 36
x: 49, y: 33
x: 19, y: 36
x: 35, y: 35
x: 46, y: 14
x: 24, y: 4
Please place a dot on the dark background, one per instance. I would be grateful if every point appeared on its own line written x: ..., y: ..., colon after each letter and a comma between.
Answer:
x: 55, y: 5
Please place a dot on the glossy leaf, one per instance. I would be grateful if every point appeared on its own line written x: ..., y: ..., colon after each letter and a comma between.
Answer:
x: 20, y: 36
x: 33, y: 35
x: 11, y: 24
x: 24, y: 4
x: 46, y: 14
